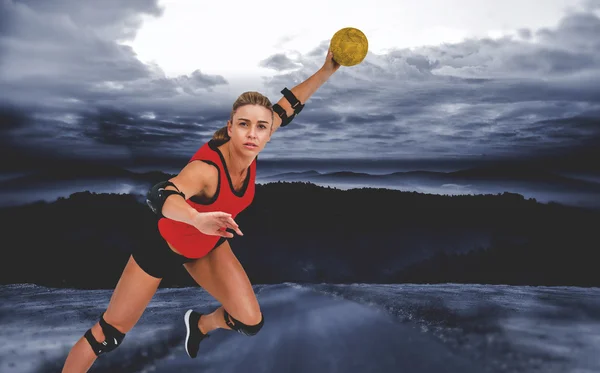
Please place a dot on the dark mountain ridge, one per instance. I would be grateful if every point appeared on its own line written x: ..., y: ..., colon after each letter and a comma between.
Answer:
x: 301, y: 232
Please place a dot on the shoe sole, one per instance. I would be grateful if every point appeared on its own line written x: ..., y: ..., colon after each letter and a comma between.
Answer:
x: 186, y: 318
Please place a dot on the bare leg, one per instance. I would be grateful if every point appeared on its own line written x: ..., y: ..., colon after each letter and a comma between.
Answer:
x: 127, y: 304
x: 221, y: 275
x: 213, y: 321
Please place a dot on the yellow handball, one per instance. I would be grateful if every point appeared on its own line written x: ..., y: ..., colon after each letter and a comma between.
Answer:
x: 349, y: 46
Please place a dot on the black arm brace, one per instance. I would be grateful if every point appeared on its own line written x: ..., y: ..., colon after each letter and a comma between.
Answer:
x: 157, y: 195
x: 296, y: 105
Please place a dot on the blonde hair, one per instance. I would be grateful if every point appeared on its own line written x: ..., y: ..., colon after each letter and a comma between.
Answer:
x: 246, y: 98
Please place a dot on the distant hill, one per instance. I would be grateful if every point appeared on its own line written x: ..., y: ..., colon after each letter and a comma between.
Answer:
x: 78, y: 172
x: 298, y: 174
x: 506, y: 174
x: 301, y: 232
x: 500, y: 174
x: 512, y: 172
x: 524, y: 179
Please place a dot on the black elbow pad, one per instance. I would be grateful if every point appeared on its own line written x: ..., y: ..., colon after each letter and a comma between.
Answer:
x: 294, y: 102
x: 157, y: 195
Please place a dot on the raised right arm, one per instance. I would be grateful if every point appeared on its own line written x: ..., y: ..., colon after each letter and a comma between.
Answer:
x: 170, y: 201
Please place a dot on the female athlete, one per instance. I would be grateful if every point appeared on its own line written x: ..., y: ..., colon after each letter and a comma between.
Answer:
x: 196, y: 209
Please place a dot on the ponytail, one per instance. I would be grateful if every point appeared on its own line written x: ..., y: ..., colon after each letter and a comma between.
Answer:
x: 221, y: 135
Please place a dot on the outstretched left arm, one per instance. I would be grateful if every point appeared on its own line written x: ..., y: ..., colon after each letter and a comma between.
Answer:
x: 306, y: 89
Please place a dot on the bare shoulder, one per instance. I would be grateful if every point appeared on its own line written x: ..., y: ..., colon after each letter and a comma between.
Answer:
x: 196, y: 177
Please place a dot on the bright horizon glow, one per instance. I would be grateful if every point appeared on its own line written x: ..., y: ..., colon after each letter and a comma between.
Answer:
x: 216, y: 40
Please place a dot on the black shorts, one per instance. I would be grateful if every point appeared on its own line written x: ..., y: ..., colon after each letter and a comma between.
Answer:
x: 156, y: 258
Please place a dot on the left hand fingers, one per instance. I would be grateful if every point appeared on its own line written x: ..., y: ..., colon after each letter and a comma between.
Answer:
x: 230, y: 223
x: 330, y: 59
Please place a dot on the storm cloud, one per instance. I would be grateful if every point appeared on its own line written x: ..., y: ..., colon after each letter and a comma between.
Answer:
x: 75, y: 89
x: 522, y: 95
x: 279, y: 62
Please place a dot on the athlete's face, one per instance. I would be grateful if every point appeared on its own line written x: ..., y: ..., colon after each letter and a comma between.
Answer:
x: 250, y: 129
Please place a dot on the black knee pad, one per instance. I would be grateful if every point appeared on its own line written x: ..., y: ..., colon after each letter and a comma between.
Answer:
x: 242, y: 328
x: 112, y: 338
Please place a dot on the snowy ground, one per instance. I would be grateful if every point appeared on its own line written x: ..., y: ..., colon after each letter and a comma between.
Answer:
x: 322, y: 328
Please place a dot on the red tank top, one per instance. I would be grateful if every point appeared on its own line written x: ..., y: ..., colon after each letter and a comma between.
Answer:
x: 187, y: 239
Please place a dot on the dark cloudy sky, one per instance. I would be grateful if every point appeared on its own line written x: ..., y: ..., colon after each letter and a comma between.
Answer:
x: 137, y: 80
